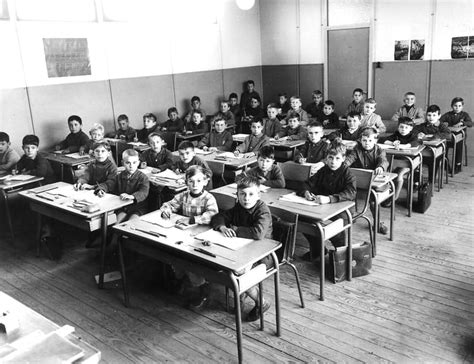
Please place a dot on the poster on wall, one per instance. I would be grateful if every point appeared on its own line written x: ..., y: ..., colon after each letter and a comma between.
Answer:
x: 401, y: 50
x: 460, y: 47
x: 417, y: 49
x: 67, y: 57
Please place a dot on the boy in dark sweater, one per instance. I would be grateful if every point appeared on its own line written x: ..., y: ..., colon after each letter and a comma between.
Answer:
x: 8, y: 156
x: 333, y: 183
x: 315, y: 149
x: 174, y: 123
x: 76, y: 138
x: 33, y: 163
x: 150, y: 125
x: 315, y: 108
x: 157, y: 157
x: 328, y: 117
x: 267, y: 172
x: 253, y: 142
x: 217, y: 139
x: 293, y: 131
x: 187, y: 158
x: 250, y: 218
x: 197, y: 125
x: 271, y: 124
x: 125, y: 131
x: 350, y: 131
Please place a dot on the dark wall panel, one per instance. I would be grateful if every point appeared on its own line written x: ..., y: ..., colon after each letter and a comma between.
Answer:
x: 51, y: 106
x: 137, y: 96
x: 234, y: 79
x: 278, y: 79
x: 311, y: 78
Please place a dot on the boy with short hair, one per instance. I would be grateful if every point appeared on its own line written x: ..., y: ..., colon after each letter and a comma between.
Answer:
x: 250, y: 218
x: 174, y: 123
x: 283, y: 104
x: 266, y: 171
x: 357, y: 103
x: 157, y: 157
x: 293, y: 131
x: 195, y: 106
x: 295, y: 102
x: 234, y: 105
x: 150, y: 125
x: 315, y: 108
x: 410, y: 110
x: 217, y: 139
x: 8, y: 156
x: 125, y: 131
x: 351, y: 130
x: 99, y: 174
x: 254, y: 141
x: 328, y: 117
x: 197, y: 125
x: 76, y: 138
x: 32, y: 162
x: 315, y: 148
x: 225, y: 113
x: 254, y: 109
x: 187, y: 158
x: 271, y: 124
x: 370, y: 118
x: 97, y: 135
x: 248, y: 94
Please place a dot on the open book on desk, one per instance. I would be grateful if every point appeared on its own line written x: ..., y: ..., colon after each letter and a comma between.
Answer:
x: 217, y: 238
x: 292, y: 197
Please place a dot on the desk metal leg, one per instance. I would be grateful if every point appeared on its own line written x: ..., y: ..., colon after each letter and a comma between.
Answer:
x: 277, y: 293
x: 260, y: 305
x: 39, y: 223
x: 7, y: 213
x: 349, y: 245
x: 103, y: 244
x: 123, y: 272
x: 321, y: 265
x: 238, y: 316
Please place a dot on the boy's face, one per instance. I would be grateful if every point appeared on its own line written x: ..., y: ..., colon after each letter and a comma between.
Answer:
x: 272, y: 113
x: 123, y: 124
x: 457, y: 107
x: 220, y: 126
x: 196, y: 104
x: 265, y: 164
x: 250, y: 87
x: 149, y: 123
x: 197, y: 183
x: 254, y: 103
x: 334, y: 161
x: 131, y: 163
x: 4, y: 146
x: 155, y: 143
x: 368, y: 142
x: 357, y: 96
x: 224, y: 107
x: 353, y: 123
x: 317, y: 98
x: 173, y: 115
x: 315, y: 133
x: 197, y: 118
x: 233, y: 101
x: 74, y: 126
x: 295, y: 104
x: 101, y: 154
x: 256, y: 128
x: 186, y: 155
x: 293, y: 123
x: 282, y: 99
x: 97, y: 135
x: 433, y: 117
x: 369, y: 109
x: 404, y: 129
x: 328, y: 109
x: 30, y: 150
x: 248, y: 197
x: 409, y: 100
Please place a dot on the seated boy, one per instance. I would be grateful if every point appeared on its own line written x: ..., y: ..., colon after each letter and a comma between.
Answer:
x: 410, y: 110
x: 271, y: 124
x: 357, y: 104
x: 368, y: 155
x: 315, y: 149
x: 295, y: 102
x: 266, y: 171
x: 188, y: 158
x: 293, y: 131
x: 8, y: 156
x: 197, y: 125
x: 253, y: 110
x: 150, y: 125
x: 350, y: 131
x: 174, y: 123
x: 157, y: 157
x: 283, y: 105
x: 328, y: 117
x: 76, y: 138
x: 250, y: 218
x: 125, y: 131
x: 333, y: 183
x: 195, y: 106
x: 370, y: 119
x: 33, y: 163
x: 217, y: 139
x: 248, y: 94
x: 100, y: 174
x: 315, y: 108
x: 225, y: 113
x: 254, y: 141
x: 97, y: 135
x: 234, y: 105
x: 432, y: 128
x: 404, y: 137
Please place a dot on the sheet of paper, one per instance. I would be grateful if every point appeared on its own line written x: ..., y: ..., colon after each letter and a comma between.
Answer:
x: 200, y: 151
x: 292, y: 197
x: 138, y: 144
x: 169, y: 174
x: 217, y: 238
x: 226, y: 155
x: 19, y: 177
x: 262, y: 187
x: 76, y: 155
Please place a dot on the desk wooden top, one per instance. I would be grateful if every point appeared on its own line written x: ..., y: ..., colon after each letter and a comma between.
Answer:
x: 225, y: 258
x: 434, y: 142
x: 271, y: 198
x: 457, y: 129
x: 388, y: 176
x: 31, y: 321
x: 409, y: 152
x: 189, y: 136
x: 65, y: 159
x: 6, y: 183
x: 232, y: 162
x: 286, y: 144
x: 61, y: 195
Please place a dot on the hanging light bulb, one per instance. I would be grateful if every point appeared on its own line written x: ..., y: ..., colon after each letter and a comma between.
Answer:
x: 245, y: 4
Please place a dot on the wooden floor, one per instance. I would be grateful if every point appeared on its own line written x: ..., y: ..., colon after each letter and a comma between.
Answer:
x: 417, y: 305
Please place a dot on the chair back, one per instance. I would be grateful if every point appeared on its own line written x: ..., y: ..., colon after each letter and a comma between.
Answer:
x: 284, y: 229
x: 295, y: 174
x: 169, y: 138
x: 364, y: 179
x: 224, y: 201
x: 217, y: 169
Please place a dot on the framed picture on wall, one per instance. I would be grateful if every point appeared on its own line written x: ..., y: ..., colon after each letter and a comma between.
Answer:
x: 401, y: 50
x: 459, y: 47
x: 417, y: 49
x: 67, y: 57
x: 470, y: 52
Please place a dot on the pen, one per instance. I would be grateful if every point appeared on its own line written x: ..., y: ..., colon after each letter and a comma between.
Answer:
x: 203, y: 251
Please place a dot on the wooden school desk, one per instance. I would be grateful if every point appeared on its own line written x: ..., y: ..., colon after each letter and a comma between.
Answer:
x: 59, y: 207
x: 65, y: 161
x: 458, y: 135
x: 311, y: 214
x: 31, y: 321
x: 229, y: 161
x: 436, y: 148
x: 288, y: 146
x: 8, y: 185
x: 414, y: 158
x: 189, y: 137
x: 218, y: 267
